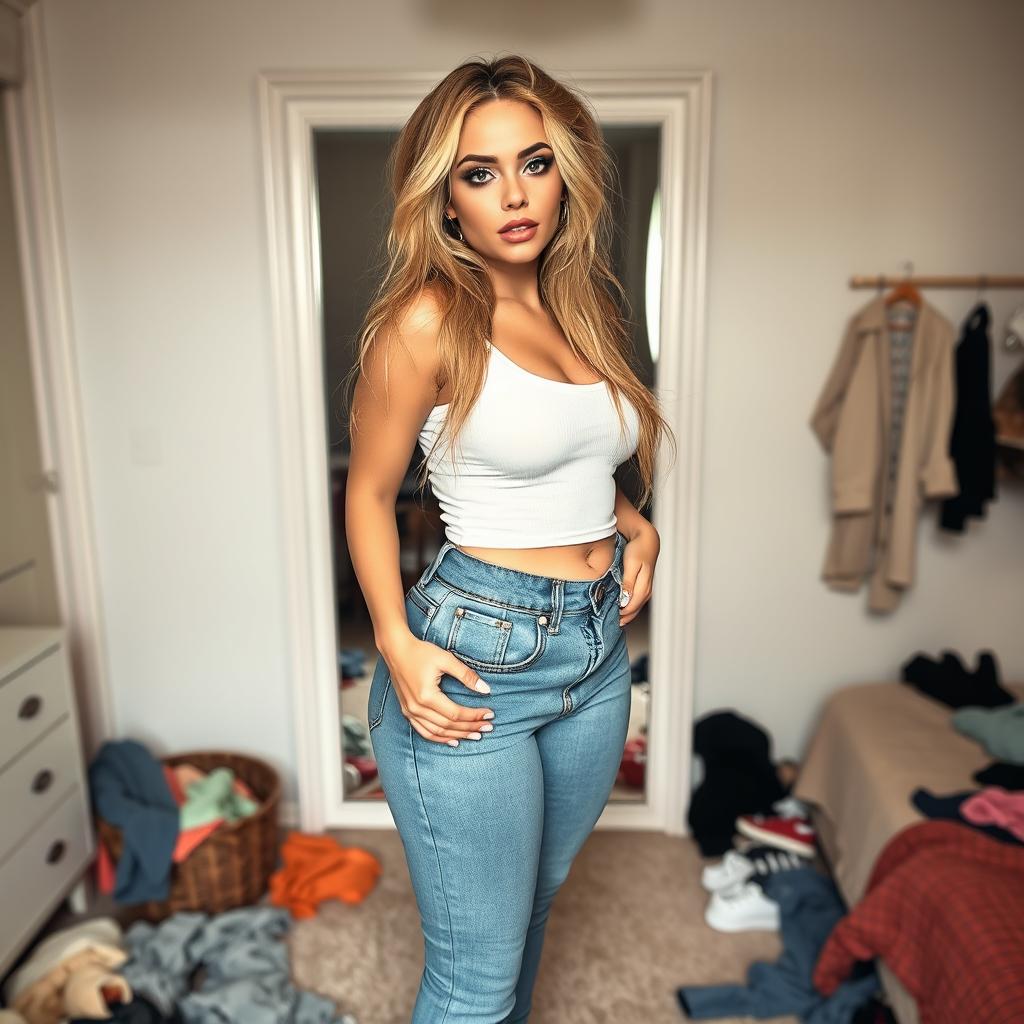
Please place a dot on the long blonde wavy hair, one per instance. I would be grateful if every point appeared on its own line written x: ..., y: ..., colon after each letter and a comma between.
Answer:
x: 576, y: 283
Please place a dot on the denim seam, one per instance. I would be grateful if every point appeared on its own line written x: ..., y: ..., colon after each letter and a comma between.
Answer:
x: 440, y: 872
x: 421, y: 600
x: 384, y: 700
x: 483, y: 599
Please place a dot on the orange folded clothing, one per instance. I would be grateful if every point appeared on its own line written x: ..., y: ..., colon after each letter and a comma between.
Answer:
x: 317, y: 868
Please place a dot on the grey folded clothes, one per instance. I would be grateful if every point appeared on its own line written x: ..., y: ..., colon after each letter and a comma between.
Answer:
x: 246, y: 975
x: 999, y: 730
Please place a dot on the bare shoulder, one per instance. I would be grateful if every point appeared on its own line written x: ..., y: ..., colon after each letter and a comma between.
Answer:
x: 402, y: 362
x: 419, y: 322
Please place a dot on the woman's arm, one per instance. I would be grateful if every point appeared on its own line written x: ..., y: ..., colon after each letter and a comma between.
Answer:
x: 639, y: 557
x: 389, y: 414
x: 630, y: 523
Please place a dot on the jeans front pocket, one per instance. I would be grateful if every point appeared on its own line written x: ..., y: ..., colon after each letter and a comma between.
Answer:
x: 492, y: 638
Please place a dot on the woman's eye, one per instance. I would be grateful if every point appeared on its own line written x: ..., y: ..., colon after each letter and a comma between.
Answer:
x: 471, y: 176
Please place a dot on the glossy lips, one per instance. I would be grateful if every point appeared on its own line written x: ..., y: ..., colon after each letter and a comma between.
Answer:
x: 521, y: 230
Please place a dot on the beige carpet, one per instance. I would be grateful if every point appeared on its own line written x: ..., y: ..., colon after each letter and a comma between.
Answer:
x: 626, y: 929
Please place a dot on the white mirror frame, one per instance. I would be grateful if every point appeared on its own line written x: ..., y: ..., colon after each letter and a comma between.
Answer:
x: 295, y: 104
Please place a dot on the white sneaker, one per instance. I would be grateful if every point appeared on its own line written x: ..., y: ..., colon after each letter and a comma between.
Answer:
x: 730, y: 870
x: 742, y: 907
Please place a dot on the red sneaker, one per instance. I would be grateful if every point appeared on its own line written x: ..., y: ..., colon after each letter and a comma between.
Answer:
x: 795, y: 834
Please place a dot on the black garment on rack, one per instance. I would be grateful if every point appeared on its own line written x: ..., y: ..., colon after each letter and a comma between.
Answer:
x: 972, y: 442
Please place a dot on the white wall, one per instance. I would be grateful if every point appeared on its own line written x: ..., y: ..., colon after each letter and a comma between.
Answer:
x: 847, y: 138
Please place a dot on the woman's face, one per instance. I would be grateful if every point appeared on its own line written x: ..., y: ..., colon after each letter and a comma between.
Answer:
x: 504, y: 172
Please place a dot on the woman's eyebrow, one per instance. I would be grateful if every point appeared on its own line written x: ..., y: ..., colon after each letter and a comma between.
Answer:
x: 494, y: 159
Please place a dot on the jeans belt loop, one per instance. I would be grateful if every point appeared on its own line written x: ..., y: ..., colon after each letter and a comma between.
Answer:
x: 428, y: 573
x: 557, y: 604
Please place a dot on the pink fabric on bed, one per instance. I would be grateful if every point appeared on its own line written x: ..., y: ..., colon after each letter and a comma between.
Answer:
x: 996, y: 806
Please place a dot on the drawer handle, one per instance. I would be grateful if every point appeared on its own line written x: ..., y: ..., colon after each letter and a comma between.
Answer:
x: 30, y: 707
x: 41, y: 783
x: 56, y: 851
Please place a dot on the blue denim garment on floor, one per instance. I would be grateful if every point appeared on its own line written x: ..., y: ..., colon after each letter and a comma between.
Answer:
x: 810, y: 907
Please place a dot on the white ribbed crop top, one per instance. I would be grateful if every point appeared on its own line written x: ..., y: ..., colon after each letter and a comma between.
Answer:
x: 535, y: 461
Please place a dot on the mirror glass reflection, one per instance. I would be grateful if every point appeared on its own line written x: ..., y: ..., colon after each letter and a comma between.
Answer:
x: 354, y: 210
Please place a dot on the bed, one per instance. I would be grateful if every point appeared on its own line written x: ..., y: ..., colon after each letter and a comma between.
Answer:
x: 874, y: 745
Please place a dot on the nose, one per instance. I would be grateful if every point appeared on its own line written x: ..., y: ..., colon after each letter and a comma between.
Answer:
x: 514, y: 198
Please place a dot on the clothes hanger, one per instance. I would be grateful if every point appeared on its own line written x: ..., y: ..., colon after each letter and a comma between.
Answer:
x: 905, y: 291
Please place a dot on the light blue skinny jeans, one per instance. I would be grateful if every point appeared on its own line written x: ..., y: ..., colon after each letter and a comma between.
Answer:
x: 490, y: 828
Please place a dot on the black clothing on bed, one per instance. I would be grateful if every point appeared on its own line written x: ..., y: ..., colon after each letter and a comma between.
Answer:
x: 950, y: 683
x: 1001, y: 773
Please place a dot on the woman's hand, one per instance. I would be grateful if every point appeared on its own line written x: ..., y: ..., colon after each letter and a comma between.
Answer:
x: 639, y: 557
x: 416, y: 669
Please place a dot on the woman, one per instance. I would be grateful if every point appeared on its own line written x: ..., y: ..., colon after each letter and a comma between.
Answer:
x: 500, y: 231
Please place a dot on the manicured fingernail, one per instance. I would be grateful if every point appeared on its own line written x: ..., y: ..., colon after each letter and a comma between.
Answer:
x: 489, y: 715
x: 453, y: 743
x: 487, y: 728
x: 482, y: 686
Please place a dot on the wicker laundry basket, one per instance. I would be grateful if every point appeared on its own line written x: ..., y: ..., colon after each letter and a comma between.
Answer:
x: 232, y: 866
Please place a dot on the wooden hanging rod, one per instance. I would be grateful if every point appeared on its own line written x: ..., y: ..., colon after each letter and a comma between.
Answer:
x: 941, y: 281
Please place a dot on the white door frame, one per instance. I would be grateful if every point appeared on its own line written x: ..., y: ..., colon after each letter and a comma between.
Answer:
x: 43, y: 251
x: 293, y: 105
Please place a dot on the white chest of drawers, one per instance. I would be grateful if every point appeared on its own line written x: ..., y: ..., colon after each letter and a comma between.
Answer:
x: 46, y: 837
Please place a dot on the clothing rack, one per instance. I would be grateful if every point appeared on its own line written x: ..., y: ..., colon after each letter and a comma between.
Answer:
x: 1012, y: 454
x: 980, y: 281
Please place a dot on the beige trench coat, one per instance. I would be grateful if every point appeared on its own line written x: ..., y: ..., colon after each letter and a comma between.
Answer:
x: 852, y: 420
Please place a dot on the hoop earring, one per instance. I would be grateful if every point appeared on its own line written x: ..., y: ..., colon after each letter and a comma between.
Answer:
x: 563, y: 211
x: 454, y: 226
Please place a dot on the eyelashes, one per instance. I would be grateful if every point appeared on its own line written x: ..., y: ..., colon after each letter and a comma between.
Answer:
x: 470, y: 176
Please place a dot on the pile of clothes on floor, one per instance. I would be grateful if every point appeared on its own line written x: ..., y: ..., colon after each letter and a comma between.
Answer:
x: 773, y: 886
x: 944, y: 906
x: 766, y: 881
x: 959, y: 889
x: 163, y: 813
x: 191, y: 968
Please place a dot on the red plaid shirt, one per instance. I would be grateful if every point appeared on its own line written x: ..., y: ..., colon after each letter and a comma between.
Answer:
x: 944, y: 908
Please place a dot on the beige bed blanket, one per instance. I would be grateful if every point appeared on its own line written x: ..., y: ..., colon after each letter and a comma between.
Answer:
x: 874, y: 745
